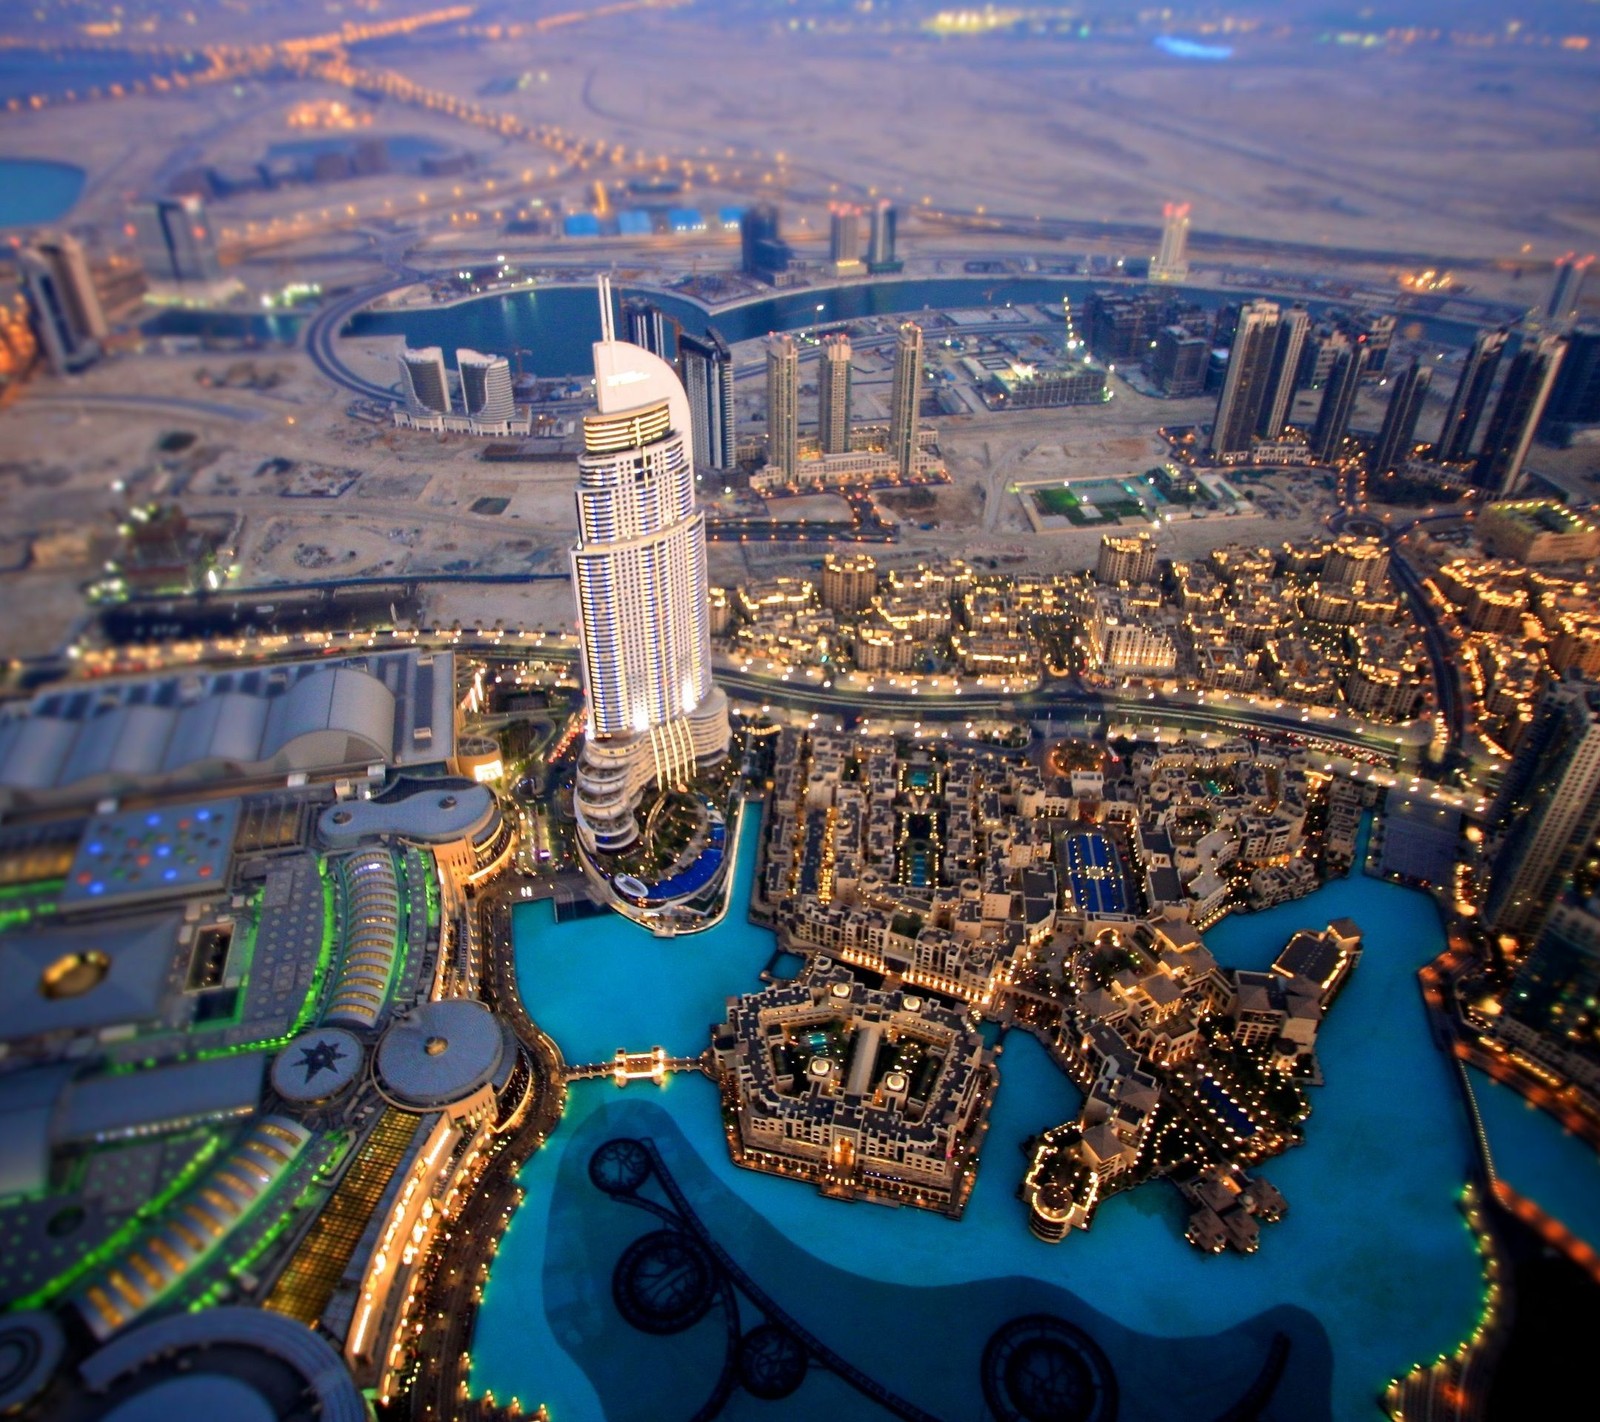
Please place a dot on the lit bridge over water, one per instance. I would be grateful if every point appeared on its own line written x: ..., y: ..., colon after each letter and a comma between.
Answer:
x: 654, y: 1065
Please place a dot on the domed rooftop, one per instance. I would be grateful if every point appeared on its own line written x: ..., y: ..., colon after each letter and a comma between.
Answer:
x: 317, y: 1065
x: 440, y: 1053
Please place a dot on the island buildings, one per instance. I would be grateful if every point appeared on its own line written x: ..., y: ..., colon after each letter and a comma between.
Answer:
x: 639, y: 577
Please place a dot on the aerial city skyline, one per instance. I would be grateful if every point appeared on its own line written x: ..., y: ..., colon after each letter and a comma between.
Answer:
x: 724, y: 709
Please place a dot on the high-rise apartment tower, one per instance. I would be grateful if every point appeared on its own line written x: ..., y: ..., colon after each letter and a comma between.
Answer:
x: 833, y: 396
x: 68, y: 319
x: 639, y: 576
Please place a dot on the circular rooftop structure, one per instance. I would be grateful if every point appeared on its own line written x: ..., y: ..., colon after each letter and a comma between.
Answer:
x: 440, y: 1054
x: 30, y: 1348
x: 195, y: 1395
x: 317, y: 1065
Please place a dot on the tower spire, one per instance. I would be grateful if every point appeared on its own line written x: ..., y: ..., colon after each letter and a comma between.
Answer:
x: 608, y: 327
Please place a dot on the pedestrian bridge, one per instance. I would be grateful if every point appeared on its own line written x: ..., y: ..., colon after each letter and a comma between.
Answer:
x: 653, y: 1065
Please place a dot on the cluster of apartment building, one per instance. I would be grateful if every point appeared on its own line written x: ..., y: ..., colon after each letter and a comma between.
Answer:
x: 882, y: 1093
x: 1315, y: 622
x: 1525, y: 602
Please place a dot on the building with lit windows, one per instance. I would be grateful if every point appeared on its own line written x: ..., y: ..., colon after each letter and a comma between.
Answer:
x: 833, y: 396
x: 783, y: 405
x: 639, y: 575
x: 905, y: 400
x: 1549, y: 808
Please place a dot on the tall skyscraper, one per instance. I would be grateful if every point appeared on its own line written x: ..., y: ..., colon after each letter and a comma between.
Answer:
x: 1555, y: 997
x: 647, y: 326
x: 881, y: 240
x: 486, y: 392
x: 1172, y: 261
x: 1575, y: 398
x: 1284, y: 378
x: 177, y: 246
x: 783, y: 405
x: 833, y: 396
x: 1472, y: 394
x: 424, y: 381
x: 764, y: 253
x: 707, y: 366
x: 844, y: 238
x: 1178, y: 365
x: 905, y: 399
x: 1338, y: 400
x: 1247, y: 381
x: 1517, y: 413
x: 68, y: 318
x: 1549, y: 807
x: 1398, y: 436
x: 639, y: 576
x: 1566, y: 287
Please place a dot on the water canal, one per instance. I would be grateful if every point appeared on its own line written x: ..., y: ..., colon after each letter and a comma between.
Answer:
x: 555, y: 325
x: 1372, y: 1271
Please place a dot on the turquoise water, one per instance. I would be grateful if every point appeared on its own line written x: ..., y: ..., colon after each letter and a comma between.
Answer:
x: 1373, y: 1261
x: 33, y: 191
x: 1540, y: 1159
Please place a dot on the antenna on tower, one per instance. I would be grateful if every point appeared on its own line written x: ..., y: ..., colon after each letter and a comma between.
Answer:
x: 608, y: 327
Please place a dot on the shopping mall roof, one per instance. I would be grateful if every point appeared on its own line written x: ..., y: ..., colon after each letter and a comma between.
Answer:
x: 152, y: 853
x: 440, y: 1054
x: 81, y: 741
x: 426, y: 812
x: 86, y: 977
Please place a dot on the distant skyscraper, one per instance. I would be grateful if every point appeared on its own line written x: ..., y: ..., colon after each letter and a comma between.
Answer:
x: 1284, y: 378
x: 1338, y: 400
x: 783, y: 405
x: 424, y: 382
x: 1555, y: 997
x: 1179, y: 363
x: 881, y: 242
x: 1472, y: 394
x: 707, y: 366
x: 833, y: 396
x: 647, y: 326
x: 764, y: 252
x: 1575, y: 400
x: 1566, y: 287
x: 1549, y: 807
x: 1172, y: 261
x: 639, y: 575
x: 68, y: 318
x: 905, y: 399
x: 486, y: 392
x: 176, y: 244
x: 1517, y: 413
x: 1248, y: 379
x: 844, y: 238
x: 1398, y: 436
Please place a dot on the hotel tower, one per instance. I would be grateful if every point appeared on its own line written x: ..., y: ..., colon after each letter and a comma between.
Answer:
x: 639, y: 575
